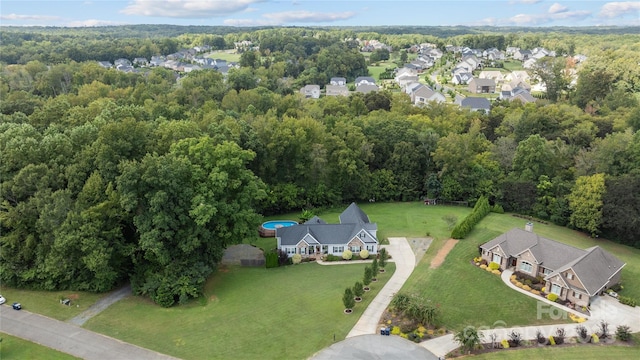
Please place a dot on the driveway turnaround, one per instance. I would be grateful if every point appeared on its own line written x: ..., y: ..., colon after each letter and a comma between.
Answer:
x: 374, y: 347
x: 69, y: 338
x: 405, y: 260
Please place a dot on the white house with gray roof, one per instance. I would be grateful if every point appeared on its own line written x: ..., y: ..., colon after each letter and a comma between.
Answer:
x: 575, y: 275
x: 316, y: 237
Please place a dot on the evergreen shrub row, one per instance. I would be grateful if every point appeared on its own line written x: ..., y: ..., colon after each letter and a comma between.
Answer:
x: 480, y: 210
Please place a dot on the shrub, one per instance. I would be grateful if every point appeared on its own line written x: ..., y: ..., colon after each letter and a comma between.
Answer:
x: 627, y: 301
x: 494, y: 266
x: 497, y: 208
x: 582, y: 332
x: 552, y: 341
x: 623, y: 333
x: 374, y: 267
x: 543, y: 289
x: 526, y: 287
x: 296, y: 258
x: 395, y: 330
x: 595, y: 338
x: 541, y: 339
x: 512, y: 277
x: 535, y: 292
x: 331, y: 257
x: 483, y: 266
x: 505, y: 343
x: 515, y: 338
x: 480, y: 210
x: 518, y: 284
x: 347, y: 299
x: 358, y: 289
x: 616, y: 287
x: 283, y: 258
x: 383, y: 256
x: 552, y: 297
x: 560, y: 334
x: 603, y: 326
x: 488, y: 269
x: 271, y: 260
x: 347, y: 255
x: 468, y: 338
x: 368, y: 274
x: 401, y: 302
x: 496, y: 272
x: 364, y: 254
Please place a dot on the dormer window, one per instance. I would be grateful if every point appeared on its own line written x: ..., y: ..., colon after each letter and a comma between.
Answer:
x: 569, y: 276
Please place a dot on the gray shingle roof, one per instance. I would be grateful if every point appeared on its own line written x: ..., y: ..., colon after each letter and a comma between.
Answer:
x: 353, y: 215
x: 593, y: 267
x: 476, y: 103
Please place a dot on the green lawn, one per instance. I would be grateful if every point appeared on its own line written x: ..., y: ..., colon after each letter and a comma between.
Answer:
x: 512, y: 65
x: 581, y: 352
x: 250, y: 313
x: 224, y: 55
x: 16, y: 348
x: 48, y: 302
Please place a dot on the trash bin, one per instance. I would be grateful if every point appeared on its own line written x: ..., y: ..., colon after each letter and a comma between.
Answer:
x: 387, y: 331
x: 382, y: 331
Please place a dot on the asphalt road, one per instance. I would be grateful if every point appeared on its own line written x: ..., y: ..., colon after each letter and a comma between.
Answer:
x: 69, y: 338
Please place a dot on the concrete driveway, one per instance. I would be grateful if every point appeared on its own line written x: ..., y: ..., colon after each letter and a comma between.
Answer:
x: 69, y: 338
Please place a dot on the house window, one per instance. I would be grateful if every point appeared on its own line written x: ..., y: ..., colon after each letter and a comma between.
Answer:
x: 546, y: 271
x: 556, y: 289
x: 356, y: 249
x: 526, y: 267
x: 338, y: 249
x: 312, y: 250
x: 291, y: 250
x: 369, y: 248
x: 303, y: 250
x: 577, y: 295
x: 569, y: 276
x: 497, y: 259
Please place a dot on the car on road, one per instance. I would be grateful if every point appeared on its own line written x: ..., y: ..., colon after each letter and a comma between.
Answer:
x: 16, y: 306
x: 2, y: 300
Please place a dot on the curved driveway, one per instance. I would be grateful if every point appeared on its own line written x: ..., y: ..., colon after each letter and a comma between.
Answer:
x: 405, y: 260
x: 69, y: 338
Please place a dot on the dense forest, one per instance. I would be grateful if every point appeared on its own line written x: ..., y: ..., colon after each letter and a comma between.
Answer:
x: 109, y: 176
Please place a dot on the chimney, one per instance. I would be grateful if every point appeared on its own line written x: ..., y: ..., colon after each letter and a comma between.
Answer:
x: 529, y: 226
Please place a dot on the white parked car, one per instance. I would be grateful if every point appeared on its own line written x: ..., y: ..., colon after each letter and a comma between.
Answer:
x: 2, y: 300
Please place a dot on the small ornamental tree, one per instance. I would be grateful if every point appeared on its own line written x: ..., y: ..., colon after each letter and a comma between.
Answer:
x: 623, y: 333
x: 374, y: 267
x: 368, y: 274
x: 296, y: 258
x: 283, y: 258
x: 364, y: 254
x: 383, y: 258
x: 358, y: 289
x: 468, y: 338
x: 347, y: 255
x: 347, y: 299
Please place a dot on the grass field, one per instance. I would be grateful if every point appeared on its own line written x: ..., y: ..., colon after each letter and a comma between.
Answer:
x: 48, y: 302
x: 225, y: 55
x: 512, y: 65
x: 16, y: 348
x: 249, y: 313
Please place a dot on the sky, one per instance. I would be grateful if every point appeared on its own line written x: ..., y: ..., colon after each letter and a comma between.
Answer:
x: 539, y: 13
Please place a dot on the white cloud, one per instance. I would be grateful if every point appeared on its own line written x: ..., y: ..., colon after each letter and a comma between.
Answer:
x: 617, y: 9
x: 557, y: 8
x: 249, y: 22
x: 10, y: 17
x: 187, y: 8
x: 93, y: 22
x: 308, y: 16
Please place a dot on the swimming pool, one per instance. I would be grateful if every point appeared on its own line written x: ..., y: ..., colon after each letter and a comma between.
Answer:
x: 268, y: 229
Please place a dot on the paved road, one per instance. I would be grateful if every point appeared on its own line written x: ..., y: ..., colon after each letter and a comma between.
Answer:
x: 405, y: 260
x: 101, y: 304
x: 69, y: 338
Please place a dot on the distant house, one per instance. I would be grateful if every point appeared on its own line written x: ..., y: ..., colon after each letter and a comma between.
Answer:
x: 497, y: 76
x: 529, y: 63
x: 522, y: 55
x: 366, y: 88
x: 157, y: 61
x: 122, y: 61
x: 476, y: 104
x: 311, y: 91
x: 482, y: 86
x: 422, y: 95
x: 406, y: 79
x: 575, y: 275
x: 405, y: 71
x: 140, y: 61
x: 462, y: 78
x: 105, y: 64
x: 364, y: 80
x: 517, y: 94
x: 316, y: 237
x: 336, y: 90
x: 338, y: 81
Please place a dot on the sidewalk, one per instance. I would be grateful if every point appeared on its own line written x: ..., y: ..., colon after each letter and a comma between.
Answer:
x: 405, y: 261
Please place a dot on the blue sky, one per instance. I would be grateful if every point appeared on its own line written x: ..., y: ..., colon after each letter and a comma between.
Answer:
x: 319, y: 12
